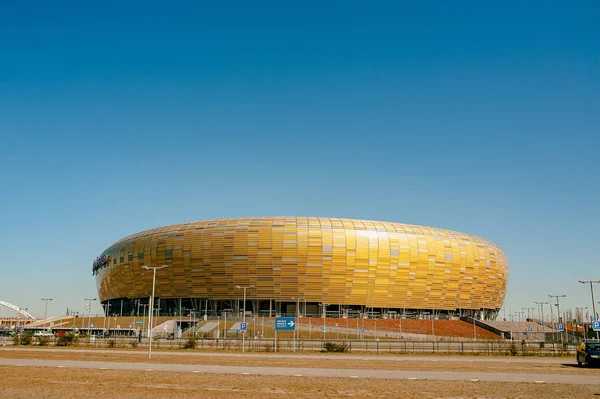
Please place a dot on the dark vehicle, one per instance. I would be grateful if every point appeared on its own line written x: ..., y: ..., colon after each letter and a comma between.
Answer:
x: 588, y: 353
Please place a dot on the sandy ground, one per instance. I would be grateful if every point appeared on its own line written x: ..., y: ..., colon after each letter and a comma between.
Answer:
x: 45, y: 383
x: 40, y: 382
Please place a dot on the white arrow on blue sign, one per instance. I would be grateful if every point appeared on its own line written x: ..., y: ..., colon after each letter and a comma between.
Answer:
x: 285, y: 323
x: 243, y: 326
x: 596, y: 326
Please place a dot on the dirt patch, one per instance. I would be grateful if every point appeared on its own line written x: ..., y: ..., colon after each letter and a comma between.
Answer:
x: 50, y: 383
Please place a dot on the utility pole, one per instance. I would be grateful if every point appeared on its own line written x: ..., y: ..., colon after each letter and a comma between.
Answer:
x: 558, y: 313
x: 591, y: 283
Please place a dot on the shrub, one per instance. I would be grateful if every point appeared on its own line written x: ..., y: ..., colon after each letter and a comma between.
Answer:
x: 26, y: 338
x: 335, y: 347
x: 133, y: 343
x: 67, y: 339
x: 22, y: 339
x: 111, y: 343
x: 268, y: 347
x: 43, y: 340
x: 512, y: 349
x: 190, y: 343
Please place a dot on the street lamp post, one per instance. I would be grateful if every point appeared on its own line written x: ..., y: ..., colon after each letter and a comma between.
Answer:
x: 89, y: 314
x: 558, y: 313
x: 154, y: 269
x: 542, y: 315
x: 592, y: 282
x: 239, y: 287
x: 297, y: 299
x: 46, y: 311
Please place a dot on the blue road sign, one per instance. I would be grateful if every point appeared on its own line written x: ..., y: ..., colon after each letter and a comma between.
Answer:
x: 324, y: 328
x: 362, y: 330
x: 285, y: 323
x: 243, y: 326
x: 530, y: 329
x: 561, y: 327
x: 138, y: 322
x: 596, y: 326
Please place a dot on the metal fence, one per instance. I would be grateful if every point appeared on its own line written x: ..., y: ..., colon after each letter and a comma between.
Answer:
x: 500, y: 348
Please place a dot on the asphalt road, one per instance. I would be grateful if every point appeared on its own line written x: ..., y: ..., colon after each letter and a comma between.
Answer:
x: 473, y: 376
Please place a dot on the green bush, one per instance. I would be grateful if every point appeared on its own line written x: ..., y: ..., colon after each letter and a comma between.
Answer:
x: 190, y: 343
x: 512, y: 349
x: 26, y: 338
x: 23, y: 339
x: 335, y: 347
x: 67, y: 339
x: 43, y: 340
x: 111, y: 343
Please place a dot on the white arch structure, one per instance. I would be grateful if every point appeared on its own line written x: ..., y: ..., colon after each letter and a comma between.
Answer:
x: 17, y: 309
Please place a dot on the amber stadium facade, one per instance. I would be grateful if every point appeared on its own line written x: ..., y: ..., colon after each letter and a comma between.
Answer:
x: 304, y: 266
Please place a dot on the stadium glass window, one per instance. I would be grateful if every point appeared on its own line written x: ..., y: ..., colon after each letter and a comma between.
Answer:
x: 130, y: 257
x: 140, y: 255
x: 169, y: 252
x: 121, y: 259
x: 114, y: 261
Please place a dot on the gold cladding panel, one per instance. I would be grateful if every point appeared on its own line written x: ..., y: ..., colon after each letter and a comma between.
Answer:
x: 352, y: 262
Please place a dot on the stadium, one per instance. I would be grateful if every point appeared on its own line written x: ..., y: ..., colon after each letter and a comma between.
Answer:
x: 304, y: 266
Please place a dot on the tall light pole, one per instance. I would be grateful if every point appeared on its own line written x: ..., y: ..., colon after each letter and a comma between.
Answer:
x: 239, y: 287
x: 592, y: 282
x: 542, y: 315
x: 89, y: 313
x: 46, y: 311
x: 298, y: 299
x: 154, y: 269
x: 558, y: 312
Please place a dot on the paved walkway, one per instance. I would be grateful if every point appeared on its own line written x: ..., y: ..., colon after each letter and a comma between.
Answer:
x: 309, y: 372
x: 473, y: 376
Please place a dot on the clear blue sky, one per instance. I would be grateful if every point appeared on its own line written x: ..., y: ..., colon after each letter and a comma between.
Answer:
x: 482, y: 118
